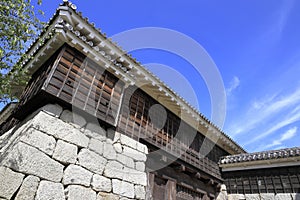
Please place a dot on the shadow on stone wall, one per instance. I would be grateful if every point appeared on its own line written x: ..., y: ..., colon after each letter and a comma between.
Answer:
x: 297, y: 196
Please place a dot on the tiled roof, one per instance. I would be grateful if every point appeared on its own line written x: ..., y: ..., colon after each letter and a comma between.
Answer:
x: 264, y: 155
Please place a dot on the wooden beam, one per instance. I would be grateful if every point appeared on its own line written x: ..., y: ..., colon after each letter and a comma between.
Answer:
x: 150, y: 187
x: 198, y: 175
x: 171, y: 190
x: 180, y: 168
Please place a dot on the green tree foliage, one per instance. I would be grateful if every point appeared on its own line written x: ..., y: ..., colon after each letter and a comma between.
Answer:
x: 19, y: 25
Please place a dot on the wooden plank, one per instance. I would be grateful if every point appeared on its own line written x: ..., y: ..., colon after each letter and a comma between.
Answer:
x: 171, y: 190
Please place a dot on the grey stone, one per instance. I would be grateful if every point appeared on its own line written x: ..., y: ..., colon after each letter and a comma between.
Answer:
x: 123, y: 188
x: 114, y: 169
x: 267, y: 196
x: 39, y: 140
x: 29, y: 160
x: 136, y: 155
x: 52, y: 109
x: 134, y: 176
x: 125, y: 198
x: 59, y: 129
x: 75, y: 174
x: 91, y: 161
x: 72, y: 117
x: 10, y: 182
x: 283, y: 196
x: 118, y: 147
x: 142, y: 148
x: 28, y: 188
x: 65, y: 152
x: 11, y: 139
x: 107, y: 196
x: 125, y: 160
x: 222, y: 195
x: 96, y: 146
x: 139, y: 192
x: 236, y: 197
x: 77, y: 192
x: 125, y: 140
x: 49, y: 190
x: 140, y: 166
x: 252, y: 197
x: 109, y: 151
x: 96, y: 128
x: 101, y: 183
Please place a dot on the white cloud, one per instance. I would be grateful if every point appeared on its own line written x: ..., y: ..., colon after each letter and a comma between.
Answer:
x: 264, y: 111
x: 285, y: 136
x: 234, y: 83
x: 292, y: 117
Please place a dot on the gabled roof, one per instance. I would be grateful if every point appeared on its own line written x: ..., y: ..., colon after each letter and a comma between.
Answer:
x: 272, y: 158
x: 69, y: 26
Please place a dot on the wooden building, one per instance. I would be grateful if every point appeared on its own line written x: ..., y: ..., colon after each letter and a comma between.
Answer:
x: 276, y: 171
x: 75, y: 65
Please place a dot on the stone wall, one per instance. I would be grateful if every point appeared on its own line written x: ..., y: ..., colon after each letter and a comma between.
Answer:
x: 57, y: 154
x: 263, y: 196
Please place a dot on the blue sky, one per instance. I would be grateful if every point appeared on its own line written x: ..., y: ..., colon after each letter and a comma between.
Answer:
x: 255, y: 45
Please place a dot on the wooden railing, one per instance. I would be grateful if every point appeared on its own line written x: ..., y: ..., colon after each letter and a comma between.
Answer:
x: 171, y: 145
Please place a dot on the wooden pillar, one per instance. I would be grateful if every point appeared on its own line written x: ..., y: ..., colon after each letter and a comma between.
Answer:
x: 170, y: 190
x: 150, y: 186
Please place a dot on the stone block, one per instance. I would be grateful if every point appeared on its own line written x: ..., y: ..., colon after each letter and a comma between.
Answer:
x: 77, y: 175
x: 59, y: 129
x: 28, y: 188
x: 283, y: 196
x: 52, y: 109
x: 252, y: 196
x: 125, y: 160
x: 39, y: 140
x: 139, y: 192
x: 109, y: 151
x: 10, y: 182
x: 72, y: 117
x: 114, y: 169
x: 96, y: 128
x: 236, y: 197
x: 101, y: 183
x: 123, y: 188
x: 65, y: 152
x: 267, y: 196
x: 91, y: 161
x: 96, y: 146
x: 142, y: 148
x: 140, y: 166
x: 134, y: 176
x: 118, y: 147
x: 29, y: 160
x: 77, y: 192
x: 222, y: 195
x: 136, y: 155
x: 49, y: 190
x: 125, y: 140
x: 107, y: 196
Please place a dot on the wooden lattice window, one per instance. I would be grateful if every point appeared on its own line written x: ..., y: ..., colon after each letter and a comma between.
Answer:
x: 81, y: 82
